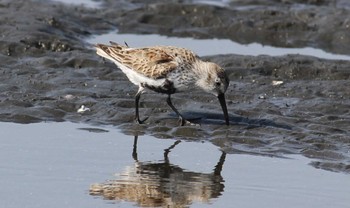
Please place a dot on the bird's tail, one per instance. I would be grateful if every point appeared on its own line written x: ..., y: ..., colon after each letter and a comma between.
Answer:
x: 102, y: 50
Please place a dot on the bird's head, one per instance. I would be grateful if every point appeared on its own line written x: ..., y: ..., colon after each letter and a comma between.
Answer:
x: 214, y: 80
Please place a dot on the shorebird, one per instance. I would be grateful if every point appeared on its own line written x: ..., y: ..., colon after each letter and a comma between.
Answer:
x: 167, y: 70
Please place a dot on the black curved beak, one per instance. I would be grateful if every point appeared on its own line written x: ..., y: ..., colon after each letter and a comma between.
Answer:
x: 222, y: 101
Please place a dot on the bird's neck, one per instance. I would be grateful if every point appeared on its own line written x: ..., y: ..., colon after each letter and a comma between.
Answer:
x: 201, y: 71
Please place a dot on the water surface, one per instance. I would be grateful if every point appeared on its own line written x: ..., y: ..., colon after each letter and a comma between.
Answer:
x: 54, y: 165
x: 86, y: 3
x: 207, y: 47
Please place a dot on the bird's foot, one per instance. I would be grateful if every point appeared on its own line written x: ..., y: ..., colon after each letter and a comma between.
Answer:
x: 139, y: 121
x: 183, y: 122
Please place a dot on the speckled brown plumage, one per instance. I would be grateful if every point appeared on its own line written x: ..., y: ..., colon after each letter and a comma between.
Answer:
x: 153, y: 62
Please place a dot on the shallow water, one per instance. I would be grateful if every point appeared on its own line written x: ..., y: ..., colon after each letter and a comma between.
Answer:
x: 86, y: 3
x: 54, y: 165
x: 207, y: 47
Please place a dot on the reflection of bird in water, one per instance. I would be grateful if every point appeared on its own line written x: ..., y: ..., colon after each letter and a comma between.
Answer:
x: 162, y: 184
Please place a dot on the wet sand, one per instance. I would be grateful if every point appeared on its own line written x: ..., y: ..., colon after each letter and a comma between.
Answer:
x: 48, y: 71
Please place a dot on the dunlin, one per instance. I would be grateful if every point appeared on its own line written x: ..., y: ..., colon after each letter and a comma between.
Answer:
x: 168, y: 70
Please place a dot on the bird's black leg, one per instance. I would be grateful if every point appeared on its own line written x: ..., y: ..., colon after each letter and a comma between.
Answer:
x: 134, y: 150
x: 137, y: 100
x: 182, y: 121
x: 218, y: 167
x: 167, y: 151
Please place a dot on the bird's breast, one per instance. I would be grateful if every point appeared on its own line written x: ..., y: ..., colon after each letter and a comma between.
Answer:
x: 183, y: 79
x: 166, y: 87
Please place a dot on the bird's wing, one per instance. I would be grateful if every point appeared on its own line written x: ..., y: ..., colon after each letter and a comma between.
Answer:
x: 152, y: 62
x: 183, y: 54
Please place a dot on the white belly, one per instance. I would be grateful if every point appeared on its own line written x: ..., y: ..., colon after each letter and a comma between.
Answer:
x: 137, y: 78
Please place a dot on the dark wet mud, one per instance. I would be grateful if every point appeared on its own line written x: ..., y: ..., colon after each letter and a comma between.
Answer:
x: 289, y: 104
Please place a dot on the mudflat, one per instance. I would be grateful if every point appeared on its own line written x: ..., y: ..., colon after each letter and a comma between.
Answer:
x: 290, y: 104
